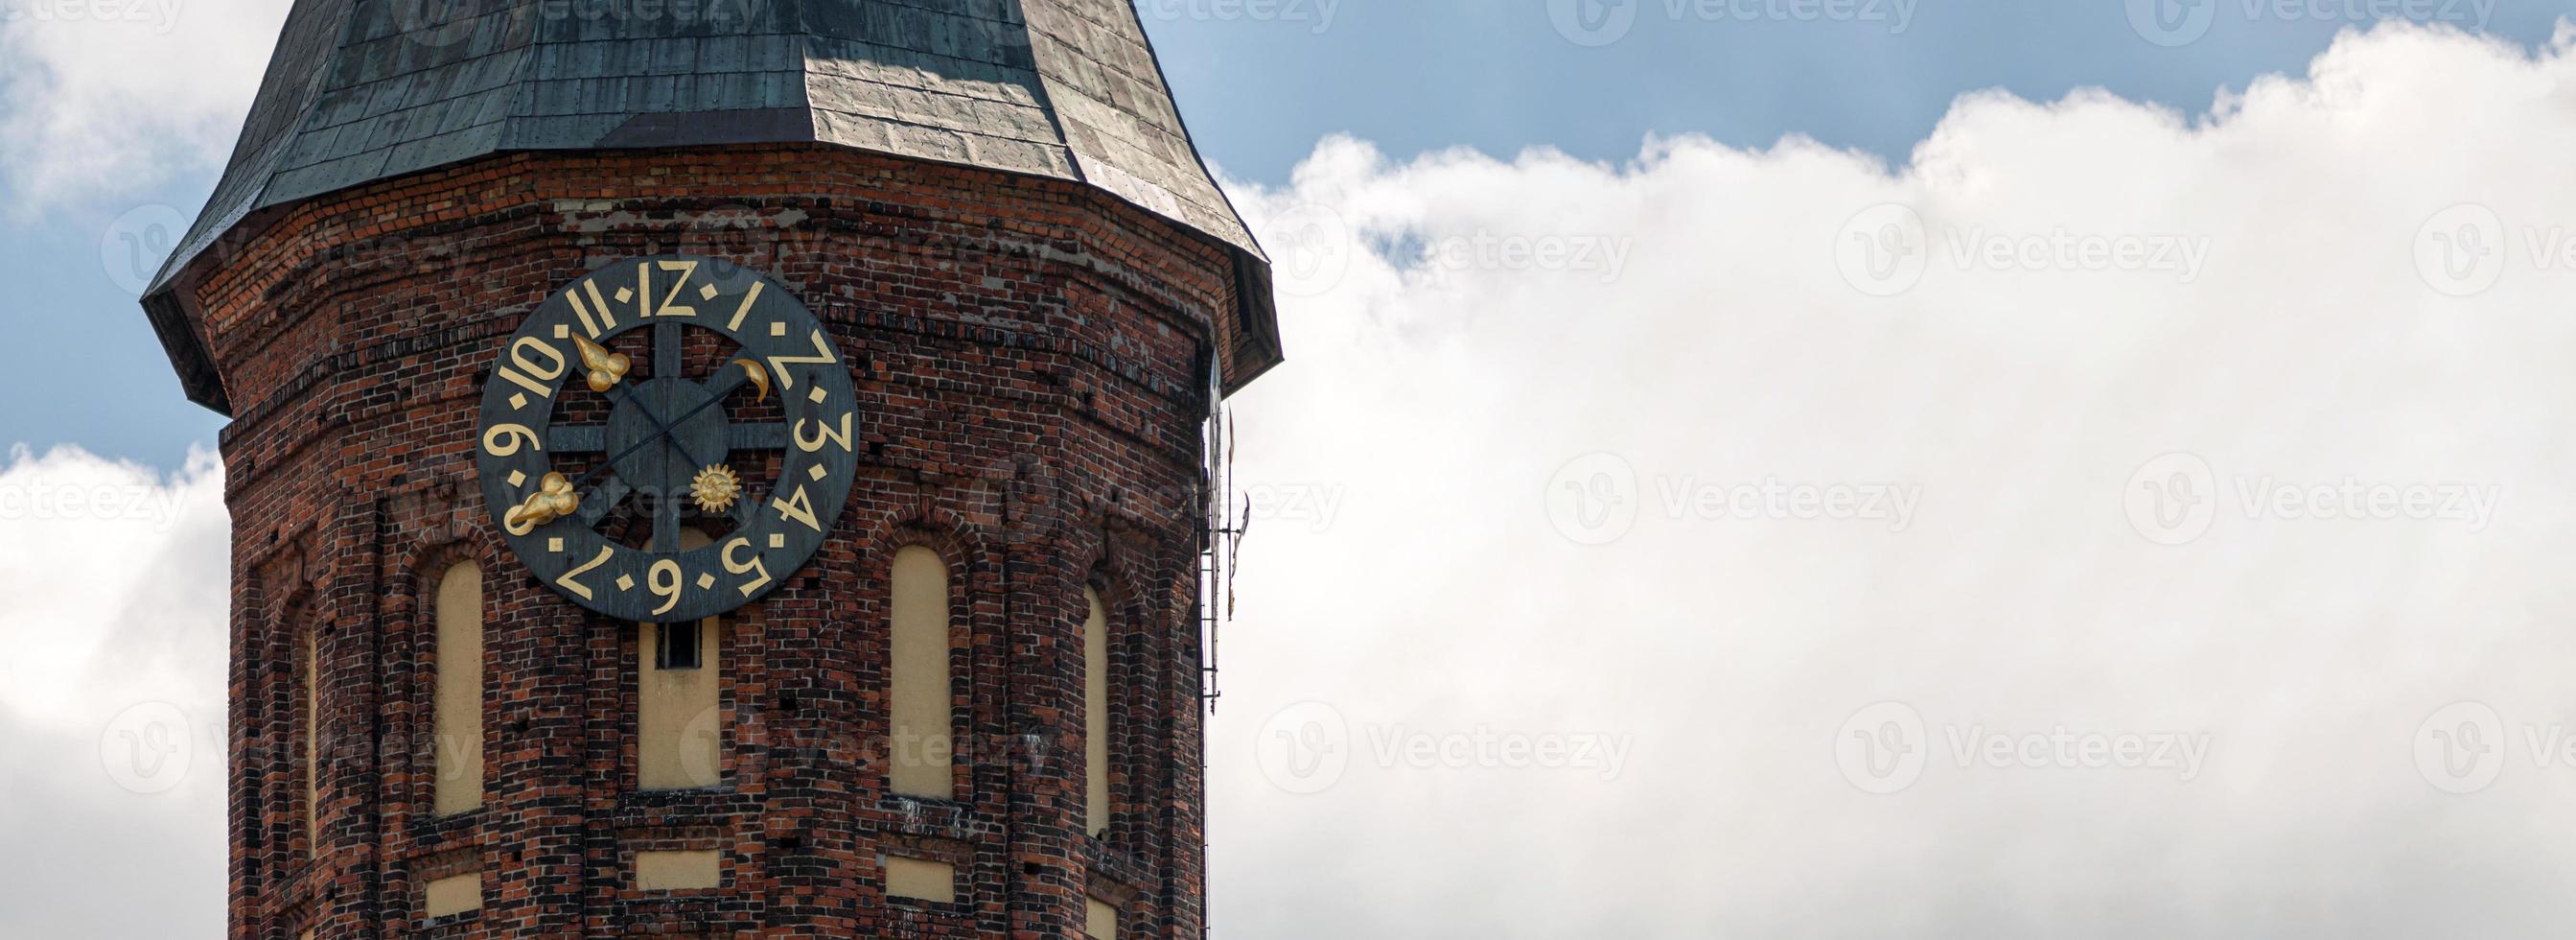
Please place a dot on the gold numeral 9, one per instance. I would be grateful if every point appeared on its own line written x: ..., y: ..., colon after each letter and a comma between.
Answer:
x: 664, y: 579
x: 505, y: 439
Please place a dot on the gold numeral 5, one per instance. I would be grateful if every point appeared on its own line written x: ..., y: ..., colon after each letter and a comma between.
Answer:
x: 756, y: 564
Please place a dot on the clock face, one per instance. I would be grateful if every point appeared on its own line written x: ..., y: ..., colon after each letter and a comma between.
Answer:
x: 667, y: 439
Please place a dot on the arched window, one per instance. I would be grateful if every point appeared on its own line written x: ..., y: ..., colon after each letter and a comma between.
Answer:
x: 918, y: 681
x: 680, y: 730
x: 457, y: 715
x: 1095, y: 714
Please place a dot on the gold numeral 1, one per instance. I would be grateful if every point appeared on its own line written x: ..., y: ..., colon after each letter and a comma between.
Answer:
x: 748, y: 298
x: 607, y: 318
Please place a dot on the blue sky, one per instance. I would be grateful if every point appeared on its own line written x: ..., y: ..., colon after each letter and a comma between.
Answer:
x: 1261, y: 84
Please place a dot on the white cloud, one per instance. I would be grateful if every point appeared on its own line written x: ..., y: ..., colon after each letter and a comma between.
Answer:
x: 2019, y: 393
x: 81, y: 119
x: 111, y: 696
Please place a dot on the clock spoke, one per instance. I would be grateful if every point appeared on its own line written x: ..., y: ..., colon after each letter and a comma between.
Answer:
x: 668, y: 344
x: 578, y: 439
x: 666, y: 518
x: 765, y: 436
x: 598, y: 504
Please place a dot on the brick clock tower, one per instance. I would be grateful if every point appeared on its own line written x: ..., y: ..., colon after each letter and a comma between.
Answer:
x: 716, y: 468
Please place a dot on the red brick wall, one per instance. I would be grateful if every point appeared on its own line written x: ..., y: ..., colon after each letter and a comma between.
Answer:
x: 1032, y: 360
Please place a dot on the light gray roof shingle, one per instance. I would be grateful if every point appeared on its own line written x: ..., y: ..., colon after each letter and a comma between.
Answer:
x: 365, y: 90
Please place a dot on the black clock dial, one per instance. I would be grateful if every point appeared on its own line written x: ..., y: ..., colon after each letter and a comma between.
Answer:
x: 667, y: 439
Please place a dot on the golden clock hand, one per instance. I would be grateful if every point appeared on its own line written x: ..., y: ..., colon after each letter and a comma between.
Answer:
x: 554, y: 499
x: 605, y: 368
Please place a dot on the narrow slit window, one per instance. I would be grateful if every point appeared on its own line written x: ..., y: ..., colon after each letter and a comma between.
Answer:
x: 458, y: 712
x: 1095, y: 714
x: 678, y: 647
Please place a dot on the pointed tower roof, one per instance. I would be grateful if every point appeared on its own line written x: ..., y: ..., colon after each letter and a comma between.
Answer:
x: 366, y: 90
